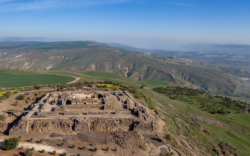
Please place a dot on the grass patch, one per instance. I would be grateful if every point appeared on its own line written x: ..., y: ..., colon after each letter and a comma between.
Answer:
x: 9, y: 80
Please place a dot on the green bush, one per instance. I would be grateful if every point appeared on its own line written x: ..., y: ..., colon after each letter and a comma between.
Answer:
x: 31, y: 139
x: 62, y: 144
x: 35, y: 94
x: 83, y: 148
x: 64, y: 154
x: 41, y: 141
x: 9, y: 144
x: 54, y: 152
x: 32, y: 149
x: 43, y: 151
x: 2, y: 117
x: 168, y: 137
x: 28, y: 153
x: 78, y: 154
x: 115, y: 149
x: 107, y: 149
x: 20, y: 97
x: 95, y: 149
x: 143, y: 147
x: 73, y: 146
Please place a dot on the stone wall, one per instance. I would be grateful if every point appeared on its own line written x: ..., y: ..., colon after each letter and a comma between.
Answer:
x: 47, y: 126
x: 21, y: 128
x: 83, y: 106
x: 143, y: 128
x: 111, y: 124
x: 47, y: 113
x: 71, y: 113
x: 126, y: 112
x: 97, y: 113
x: 81, y: 126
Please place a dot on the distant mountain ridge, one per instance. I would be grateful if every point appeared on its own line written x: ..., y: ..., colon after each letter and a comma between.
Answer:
x: 94, y: 56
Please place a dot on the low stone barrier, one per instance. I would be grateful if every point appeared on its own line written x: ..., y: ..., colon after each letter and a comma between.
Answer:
x: 45, y: 114
x: 123, y: 112
x: 97, y: 113
x: 72, y: 113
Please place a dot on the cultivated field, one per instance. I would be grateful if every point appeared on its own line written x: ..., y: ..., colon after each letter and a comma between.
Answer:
x: 8, y: 80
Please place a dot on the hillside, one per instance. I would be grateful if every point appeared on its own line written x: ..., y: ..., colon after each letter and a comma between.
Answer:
x: 92, y: 56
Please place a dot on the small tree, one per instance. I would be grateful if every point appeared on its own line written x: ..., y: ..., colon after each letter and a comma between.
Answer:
x: 64, y: 154
x: 115, y: 149
x: 62, y: 144
x: 28, y: 153
x: 43, y: 151
x: 32, y: 149
x: 107, y: 149
x: 95, y: 149
x: 9, y: 144
x: 73, y: 146
x: 54, y: 152
x: 19, y: 137
x: 78, y: 154
x: 41, y: 141
x: 83, y: 148
x: 31, y: 139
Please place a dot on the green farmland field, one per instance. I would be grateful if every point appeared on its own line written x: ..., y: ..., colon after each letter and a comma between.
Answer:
x: 152, y: 83
x: 8, y: 80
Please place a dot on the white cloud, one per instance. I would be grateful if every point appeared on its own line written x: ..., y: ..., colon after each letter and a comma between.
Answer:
x: 15, y: 5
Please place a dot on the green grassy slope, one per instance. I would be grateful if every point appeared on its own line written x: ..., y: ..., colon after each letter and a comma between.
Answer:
x: 15, y: 79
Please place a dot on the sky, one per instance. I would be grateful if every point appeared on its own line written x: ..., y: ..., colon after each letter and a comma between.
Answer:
x: 155, y: 24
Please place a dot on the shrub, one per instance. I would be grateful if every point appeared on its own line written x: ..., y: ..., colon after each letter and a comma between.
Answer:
x: 32, y: 149
x: 19, y: 137
x: 2, y: 117
x: 143, y: 147
x: 43, y: 151
x: 64, y: 154
x: 168, y: 137
x: 37, y: 87
x: 78, y: 154
x: 28, y: 153
x: 41, y: 141
x: 31, y: 139
x: 107, y: 149
x: 73, y: 146
x: 95, y: 149
x: 26, y: 101
x: 83, y: 148
x: 9, y: 144
x: 20, y: 97
x: 115, y: 149
x: 54, y: 152
x: 35, y: 94
x: 28, y: 98
x: 21, y: 147
x: 62, y: 144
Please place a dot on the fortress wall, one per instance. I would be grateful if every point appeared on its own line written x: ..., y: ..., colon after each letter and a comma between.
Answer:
x: 47, y: 113
x: 72, y: 113
x: 125, y: 112
x: 97, y: 113
x: 21, y: 128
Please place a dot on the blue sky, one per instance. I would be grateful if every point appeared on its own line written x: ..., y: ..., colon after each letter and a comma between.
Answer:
x: 142, y: 23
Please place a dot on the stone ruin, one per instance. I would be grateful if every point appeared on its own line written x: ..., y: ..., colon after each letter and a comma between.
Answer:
x: 71, y: 113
